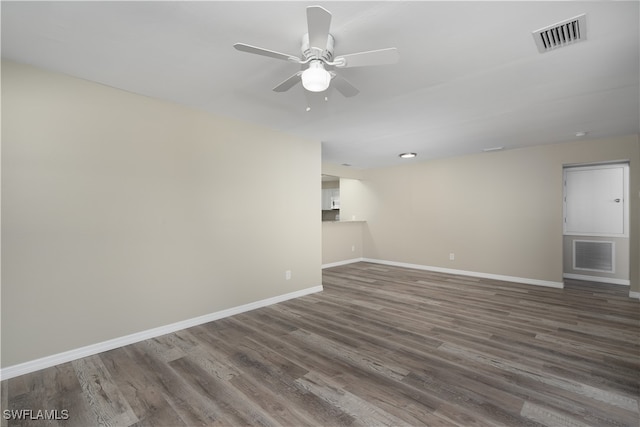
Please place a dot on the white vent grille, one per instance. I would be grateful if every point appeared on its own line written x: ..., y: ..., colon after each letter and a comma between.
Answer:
x: 561, y: 34
x: 593, y: 255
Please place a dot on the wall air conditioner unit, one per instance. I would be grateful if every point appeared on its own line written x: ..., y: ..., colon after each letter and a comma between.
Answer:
x: 594, y: 255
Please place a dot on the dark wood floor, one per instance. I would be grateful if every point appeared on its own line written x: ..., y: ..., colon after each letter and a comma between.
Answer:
x: 380, y: 346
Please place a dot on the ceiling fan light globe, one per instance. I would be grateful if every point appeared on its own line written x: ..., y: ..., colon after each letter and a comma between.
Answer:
x: 316, y: 78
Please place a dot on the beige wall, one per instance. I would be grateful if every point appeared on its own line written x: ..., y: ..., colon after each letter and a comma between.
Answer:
x: 353, y: 197
x: 341, y: 241
x: 122, y: 213
x: 499, y: 212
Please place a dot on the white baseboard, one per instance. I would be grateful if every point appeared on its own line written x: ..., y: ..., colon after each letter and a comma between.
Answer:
x: 523, y: 280
x: 609, y: 280
x: 90, y: 350
x: 339, y: 263
x: 633, y: 294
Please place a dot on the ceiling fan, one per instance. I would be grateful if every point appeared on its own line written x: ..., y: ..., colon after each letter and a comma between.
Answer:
x: 318, y: 62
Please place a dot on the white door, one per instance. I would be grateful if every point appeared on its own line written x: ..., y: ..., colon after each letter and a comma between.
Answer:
x: 595, y: 203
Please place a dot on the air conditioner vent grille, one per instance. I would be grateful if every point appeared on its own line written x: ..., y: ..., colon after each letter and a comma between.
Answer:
x: 593, y: 255
x: 561, y: 34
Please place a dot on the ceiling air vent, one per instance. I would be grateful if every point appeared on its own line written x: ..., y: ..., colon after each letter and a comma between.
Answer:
x: 561, y: 34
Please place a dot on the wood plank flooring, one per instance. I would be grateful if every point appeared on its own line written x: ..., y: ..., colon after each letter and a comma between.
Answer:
x: 379, y: 346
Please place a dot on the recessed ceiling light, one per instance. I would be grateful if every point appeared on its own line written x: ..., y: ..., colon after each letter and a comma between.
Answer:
x: 581, y: 133
x: 407, y: 155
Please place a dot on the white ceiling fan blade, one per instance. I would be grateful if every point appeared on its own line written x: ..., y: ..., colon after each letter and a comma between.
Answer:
x: 318, y: 23
x: 289, y: 83
x: 265, y: 52
x: 344, y: 87
x: 372, y: 57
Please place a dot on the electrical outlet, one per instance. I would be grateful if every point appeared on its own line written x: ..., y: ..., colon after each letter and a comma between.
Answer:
x: 353, y: 248
x: 287, y: 275
x: 452, y: 256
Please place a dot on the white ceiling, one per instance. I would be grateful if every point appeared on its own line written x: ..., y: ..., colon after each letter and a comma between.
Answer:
x: 469, y: 77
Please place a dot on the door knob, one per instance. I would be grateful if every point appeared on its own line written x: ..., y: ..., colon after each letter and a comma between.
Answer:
x: 616, y: 200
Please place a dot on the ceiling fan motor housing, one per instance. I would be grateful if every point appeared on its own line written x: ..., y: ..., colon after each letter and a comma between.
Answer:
x: 325, y: 54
